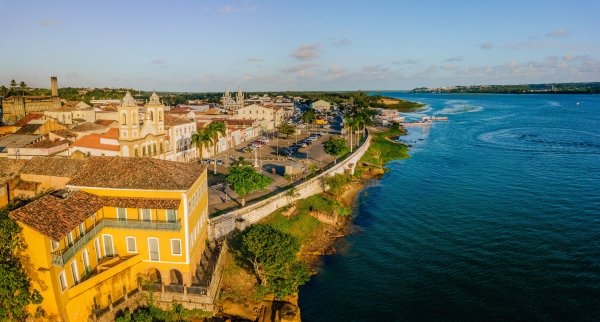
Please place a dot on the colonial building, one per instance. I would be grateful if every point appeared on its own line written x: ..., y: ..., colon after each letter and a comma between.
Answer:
x: 15, y: 107
x: 120, y: 224
x: 141, y: 137
x: 179, y: 138
x: 231, y: 104
x: 269, y: 116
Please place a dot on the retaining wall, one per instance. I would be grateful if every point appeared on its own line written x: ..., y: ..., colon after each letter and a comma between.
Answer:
x: 251, y: 214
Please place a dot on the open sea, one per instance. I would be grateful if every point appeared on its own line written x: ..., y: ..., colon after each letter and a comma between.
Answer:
x: 495, y: 217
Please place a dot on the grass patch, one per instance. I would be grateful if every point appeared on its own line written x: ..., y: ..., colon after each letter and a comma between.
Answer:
x: 301, y: 226
x: 383, y: 149
x: 337, y: 182
x: 323, y: 203
x: 396, y: 104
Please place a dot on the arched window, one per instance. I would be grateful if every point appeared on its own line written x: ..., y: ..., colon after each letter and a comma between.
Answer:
x: 160, y: 116
x: 151, y: 116
x: 144, y: 151
x: 124, y: 118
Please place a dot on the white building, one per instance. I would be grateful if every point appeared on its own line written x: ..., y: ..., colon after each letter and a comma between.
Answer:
x: 321, y: 106
x: 270, y: 117
x: 179, y: 138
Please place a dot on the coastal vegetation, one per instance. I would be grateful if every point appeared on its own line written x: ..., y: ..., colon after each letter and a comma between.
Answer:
x: 395, y: 104
x: 150, y: 312
x: 384, y: 147
x: 552, y: 88
x: 271, y: 255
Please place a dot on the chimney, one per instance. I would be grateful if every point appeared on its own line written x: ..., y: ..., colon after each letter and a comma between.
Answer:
x: 54, y: 86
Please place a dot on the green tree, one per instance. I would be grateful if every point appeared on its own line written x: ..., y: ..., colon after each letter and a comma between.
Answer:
x: 286, y: 129
x: 23, y: 87
x: 244, y: 180
x: 272, y: 254
x: 16, y: 290
x: 335, y: 147
x: 201, y: 139
x: 214, y: 129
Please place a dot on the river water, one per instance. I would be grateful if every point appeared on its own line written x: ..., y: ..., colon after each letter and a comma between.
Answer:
x: 495, y: 217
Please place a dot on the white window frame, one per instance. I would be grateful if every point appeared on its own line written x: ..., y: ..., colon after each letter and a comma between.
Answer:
x: 112, y: 243
x: 86, y: 259
x: 167, y: 215
x: 97, y: 249
x: 81, y: 228
x: 124, y: 213
x: 54, y: 245
x: 74, y: 272
x: 62, y: 279
x: 180, y: 247
x: 149, y: 249
x: 127, y: 238
x: 70, y: 239
x: 142, y: 214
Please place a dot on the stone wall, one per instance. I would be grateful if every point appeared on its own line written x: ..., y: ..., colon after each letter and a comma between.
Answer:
x: 251, y: 214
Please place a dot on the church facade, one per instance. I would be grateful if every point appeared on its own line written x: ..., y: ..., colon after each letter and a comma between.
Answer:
x: 142, y: 137
x: 233, y: 104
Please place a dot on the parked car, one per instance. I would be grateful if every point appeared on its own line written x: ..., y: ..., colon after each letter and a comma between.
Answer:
x: 205, y: 161
x: 220, y: 162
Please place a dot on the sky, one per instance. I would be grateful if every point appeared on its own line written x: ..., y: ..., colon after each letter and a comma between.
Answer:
x: 211, y: 45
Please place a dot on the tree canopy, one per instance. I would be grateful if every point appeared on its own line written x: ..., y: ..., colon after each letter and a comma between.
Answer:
x: 244, y: 180
x: 309, y: 116
x: 335, y: 146
x: 16, y: 291
x: 272, y: 254
x: 286, y: 129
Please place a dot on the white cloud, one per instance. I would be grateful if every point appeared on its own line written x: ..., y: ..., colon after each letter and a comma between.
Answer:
x: 454, y: 59
x: 298, y: 68
x: 254, y: 60
x: 158, y: 61
x: 341, y: 42
x: 559, y: 33
x: 306, y: 52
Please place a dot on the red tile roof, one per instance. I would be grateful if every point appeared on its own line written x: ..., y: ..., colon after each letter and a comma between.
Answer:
x: 55, y: 216
x: 28, y: 118
x: 137, y: 173
x: 92, y: 141
x: 53, y: 166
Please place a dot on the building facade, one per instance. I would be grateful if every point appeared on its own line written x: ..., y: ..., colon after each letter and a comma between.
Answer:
x: 120, y: 223
x: 15, y: 107
x: 145, y: 138
x: 232, y: 104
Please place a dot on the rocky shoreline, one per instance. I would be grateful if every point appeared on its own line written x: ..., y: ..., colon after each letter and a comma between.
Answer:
x: 321, y: 243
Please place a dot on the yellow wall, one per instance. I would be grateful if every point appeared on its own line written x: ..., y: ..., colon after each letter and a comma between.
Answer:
x: 77, y: 301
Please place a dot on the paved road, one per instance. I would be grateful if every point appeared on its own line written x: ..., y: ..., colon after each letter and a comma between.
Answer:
x: 267, y: 159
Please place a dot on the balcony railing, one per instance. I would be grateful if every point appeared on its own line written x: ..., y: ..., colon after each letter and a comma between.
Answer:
x: 61, y: 257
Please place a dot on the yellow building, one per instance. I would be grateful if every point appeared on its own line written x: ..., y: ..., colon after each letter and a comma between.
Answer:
x: 142, y: 137
x: 120, y: 223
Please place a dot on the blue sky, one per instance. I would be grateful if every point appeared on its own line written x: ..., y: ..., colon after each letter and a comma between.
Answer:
x: 208, y: 45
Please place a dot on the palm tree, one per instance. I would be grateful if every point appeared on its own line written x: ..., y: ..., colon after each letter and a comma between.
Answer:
x: 352, y: 122
x: 23, y: 87
x: 201, y: 139
x: 214, y: 129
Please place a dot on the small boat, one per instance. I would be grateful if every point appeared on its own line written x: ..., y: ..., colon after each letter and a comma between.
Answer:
x: 577, y: 103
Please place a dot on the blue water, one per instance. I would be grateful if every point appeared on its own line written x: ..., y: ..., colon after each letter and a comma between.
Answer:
x: 495, y: 217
